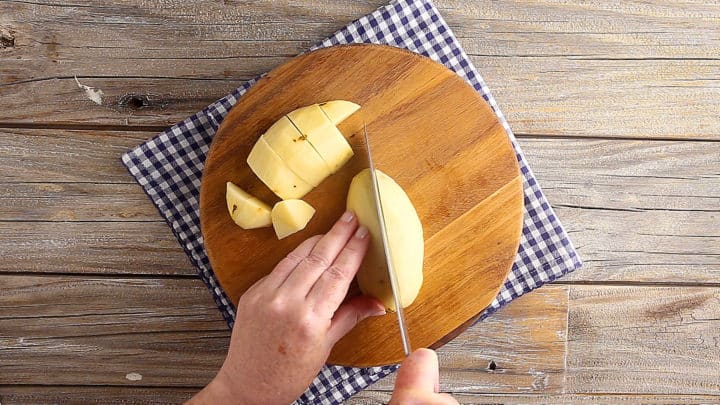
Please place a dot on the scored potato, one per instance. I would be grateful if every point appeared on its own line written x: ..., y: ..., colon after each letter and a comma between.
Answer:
x: 296, y: 151
x: 338, y: 110
x: 246, y: 210
x: 405, y: 237
x: 302, y: 148
x: 323, y: 135
x: 272, y: 171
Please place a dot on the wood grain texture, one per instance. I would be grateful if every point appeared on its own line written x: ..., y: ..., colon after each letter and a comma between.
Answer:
x: 47, y: 395
x: 83, y: 395
x: 571, y: 68
x: 92, y: 248
x: 85, y: 202
x: 370, y: 397
x: 651, y: 331
x: 66, y: 156
x: 669, y: 191
x: 551, y: 75
x: 636, y: 210
x: 95, y: 331
x: 170, y: 332
x: 463, y: 180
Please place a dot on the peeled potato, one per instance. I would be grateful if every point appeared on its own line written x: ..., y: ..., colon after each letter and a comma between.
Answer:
x: 296, y: 152
x: 338, y: 110
x: 290, y: 216
x: 323, y: 135
x: 246, y: 210
x: 405, y: 237
x: 302, y: 148
x: 271, y: 169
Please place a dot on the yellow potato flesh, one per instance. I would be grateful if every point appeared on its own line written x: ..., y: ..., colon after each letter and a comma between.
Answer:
x: 247, y: 211
x: 323, y: 135
x: 405, y: 237
x: 295, y: 150
x: 271, y: 170
x: 290, y: 216
x: 338, y: 110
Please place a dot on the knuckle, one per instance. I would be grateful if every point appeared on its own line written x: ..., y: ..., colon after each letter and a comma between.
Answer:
x: 317, y: 260
x: 291, y: 259
x: 335, y: 273
x: 277, y: 307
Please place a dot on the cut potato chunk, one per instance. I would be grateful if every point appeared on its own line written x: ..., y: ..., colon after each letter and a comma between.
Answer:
x: 295, y: 150
x: 338, y: 110
x: 246, y: 210
x: 271, y: 170
x: 323, y: 135
x: 405, y: 238
x: 290, y: 216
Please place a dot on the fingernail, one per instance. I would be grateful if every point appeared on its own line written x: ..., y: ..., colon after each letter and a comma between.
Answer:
x: 378, y: 311
x: 347, y: 216
x: 361, y: 232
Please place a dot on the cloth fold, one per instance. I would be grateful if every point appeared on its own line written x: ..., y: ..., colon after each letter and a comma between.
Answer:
x: 169, y: 168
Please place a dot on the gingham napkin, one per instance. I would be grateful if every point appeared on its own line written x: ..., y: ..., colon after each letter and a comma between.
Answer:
x: 170, y: 165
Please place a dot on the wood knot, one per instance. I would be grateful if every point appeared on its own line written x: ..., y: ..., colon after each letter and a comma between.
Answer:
x: 492, y: 366
x: 7, y: 39
x: 134, y: 101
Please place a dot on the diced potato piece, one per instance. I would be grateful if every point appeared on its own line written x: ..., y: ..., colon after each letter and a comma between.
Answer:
x: 323, y: 135
x: 405, y: 237
x: 246, y: 210
x: 272, y: 171
x: 297, y: 153
x: 338, y: 110
x: 290, y: 216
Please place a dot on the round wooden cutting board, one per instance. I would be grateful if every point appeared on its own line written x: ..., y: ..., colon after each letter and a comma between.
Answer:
x: 432, y: 133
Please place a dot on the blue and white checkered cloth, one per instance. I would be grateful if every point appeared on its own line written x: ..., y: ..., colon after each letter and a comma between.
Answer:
x: 169, y: 167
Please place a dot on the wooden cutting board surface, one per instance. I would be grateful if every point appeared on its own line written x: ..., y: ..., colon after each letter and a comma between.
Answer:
x: 433, y: 134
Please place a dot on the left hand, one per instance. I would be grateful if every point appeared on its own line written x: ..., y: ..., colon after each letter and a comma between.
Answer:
x: 287, y: 323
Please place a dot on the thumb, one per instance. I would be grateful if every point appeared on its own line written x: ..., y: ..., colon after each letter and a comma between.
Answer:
x: 419, y: 372
x: 351, y: 313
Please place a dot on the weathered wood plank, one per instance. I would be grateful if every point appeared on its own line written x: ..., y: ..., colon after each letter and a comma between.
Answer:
x: 66, y: 156
x: 83, y: 395
x: 525, y: 342
x: 668, y: 191
x: 636, y: 211
x: 79, y: 330
x: 92, y: 248
x: 369, y: 397
x: 644, y: 340
x: 83, y: 330
x: 75, y: 202
x: 593, y: 69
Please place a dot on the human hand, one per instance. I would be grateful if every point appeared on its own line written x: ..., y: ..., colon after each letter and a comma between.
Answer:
x: 287, y: 323
x: 418, y: 381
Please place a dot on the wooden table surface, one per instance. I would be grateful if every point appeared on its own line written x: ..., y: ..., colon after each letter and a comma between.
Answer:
x: 616, y: 105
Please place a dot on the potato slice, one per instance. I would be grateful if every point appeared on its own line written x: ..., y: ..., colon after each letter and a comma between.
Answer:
x: 323, y: 135
x: 290, y: 216
x: 295, y: 150
x: 246, y: 210
x: 405, y: 236
x: 338, y: 110
x: 272, y: 171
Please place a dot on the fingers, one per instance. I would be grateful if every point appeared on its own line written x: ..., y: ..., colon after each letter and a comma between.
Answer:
x: 322, y: 256
x: 419, y: 372
x: 350, y: 313
x: 286, y: 266
x: 331, y: 287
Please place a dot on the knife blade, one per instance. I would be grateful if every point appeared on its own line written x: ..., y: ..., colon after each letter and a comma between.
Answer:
x: 386, y: 248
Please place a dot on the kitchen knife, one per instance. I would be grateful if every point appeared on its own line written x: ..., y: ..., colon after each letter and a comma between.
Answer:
x: 386, y: 248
